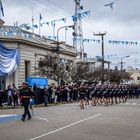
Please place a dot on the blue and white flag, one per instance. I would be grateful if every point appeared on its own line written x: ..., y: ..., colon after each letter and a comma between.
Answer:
x: 25, y: 26
x: 9, y: 59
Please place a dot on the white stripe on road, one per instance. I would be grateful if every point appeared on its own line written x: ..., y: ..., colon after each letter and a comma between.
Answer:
x: 127, y: 103
x: 8, y: 115
x: 95, y: 116
x: 44, y: 119
x: 134, y: 103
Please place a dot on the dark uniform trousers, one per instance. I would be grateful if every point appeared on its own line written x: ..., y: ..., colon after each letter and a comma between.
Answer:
x: 26, y: 103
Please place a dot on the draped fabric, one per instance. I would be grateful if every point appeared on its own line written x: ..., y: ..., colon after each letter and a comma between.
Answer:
x: 9, y: 59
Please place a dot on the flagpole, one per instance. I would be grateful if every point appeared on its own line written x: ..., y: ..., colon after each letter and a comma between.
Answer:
x: 65, y: 35
x: 32, y: 21
x: 40, y: 17
x: 39, y: 25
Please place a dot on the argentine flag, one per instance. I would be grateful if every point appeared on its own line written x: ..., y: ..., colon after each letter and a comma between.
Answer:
x: 9, y: 59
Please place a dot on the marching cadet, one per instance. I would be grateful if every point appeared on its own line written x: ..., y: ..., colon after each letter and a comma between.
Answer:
x: 94, y: 95
x: 82, y: 95
x: 25, y: 94
x: 87, y: 94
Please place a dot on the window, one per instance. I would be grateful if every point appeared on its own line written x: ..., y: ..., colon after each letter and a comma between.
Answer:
x: 27, y: 69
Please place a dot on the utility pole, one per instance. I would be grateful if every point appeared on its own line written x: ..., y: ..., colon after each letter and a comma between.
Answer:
x: 57, y: 50
x: 58, y: 43
x: 102, y: 39
x: 122, y: 66
x: 78, y: 33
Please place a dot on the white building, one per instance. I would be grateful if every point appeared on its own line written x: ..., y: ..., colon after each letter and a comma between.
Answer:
x: 31, y: 48
x: 135, y: 74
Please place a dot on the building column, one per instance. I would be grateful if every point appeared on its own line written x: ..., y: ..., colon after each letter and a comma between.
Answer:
x: 16, y: 77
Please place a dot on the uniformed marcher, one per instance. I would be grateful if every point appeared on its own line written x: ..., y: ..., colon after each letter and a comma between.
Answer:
x: 25, y: 94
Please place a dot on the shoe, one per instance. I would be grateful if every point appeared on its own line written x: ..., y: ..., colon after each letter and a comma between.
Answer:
x: 23, y: 119
x: 28, y: 118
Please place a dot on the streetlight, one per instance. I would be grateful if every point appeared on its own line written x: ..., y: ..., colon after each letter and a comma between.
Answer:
x: 122, y: 61
x: 102, y: 39
x: 122, y: 64
x: 58, y: 50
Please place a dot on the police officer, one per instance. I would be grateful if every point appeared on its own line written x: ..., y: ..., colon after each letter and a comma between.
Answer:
x: 25, y: 94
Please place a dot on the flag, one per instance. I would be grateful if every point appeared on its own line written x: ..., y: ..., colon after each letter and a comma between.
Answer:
x: 9, y: 60
x: 1, y: 7
x: 40, y: 17
x: 35, y: 26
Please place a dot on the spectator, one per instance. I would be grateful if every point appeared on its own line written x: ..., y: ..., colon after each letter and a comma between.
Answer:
x: 53, y: 94
x: 46, y: 95
x: 35, y: 93
x: 50, y: 93
x: 15, y: 96
x: 1, y: 98
x: 10, y: 95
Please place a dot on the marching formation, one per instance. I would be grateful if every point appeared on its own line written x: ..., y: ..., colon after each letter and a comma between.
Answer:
x: 107, y: 94
x: 94, y: 94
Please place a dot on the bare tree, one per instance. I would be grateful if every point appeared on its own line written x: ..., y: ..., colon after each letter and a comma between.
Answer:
x: 77, y: 71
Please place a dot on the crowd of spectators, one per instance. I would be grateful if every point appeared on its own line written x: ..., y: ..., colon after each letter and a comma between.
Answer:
x: 66, y: 93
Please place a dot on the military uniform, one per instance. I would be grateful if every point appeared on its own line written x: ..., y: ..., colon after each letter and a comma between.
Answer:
x: 25, y: 94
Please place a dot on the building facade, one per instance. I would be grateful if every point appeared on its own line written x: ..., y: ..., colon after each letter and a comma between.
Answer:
x: 31, y: 48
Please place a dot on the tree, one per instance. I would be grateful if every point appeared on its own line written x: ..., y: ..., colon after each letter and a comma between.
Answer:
x: 47, y: 67
x: 71, y: 71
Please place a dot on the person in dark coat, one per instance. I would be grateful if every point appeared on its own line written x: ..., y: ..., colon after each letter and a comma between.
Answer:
x: 46, y: 95
x: 25, y: 94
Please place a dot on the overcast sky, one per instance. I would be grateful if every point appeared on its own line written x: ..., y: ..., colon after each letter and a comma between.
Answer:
x: 122, y: 23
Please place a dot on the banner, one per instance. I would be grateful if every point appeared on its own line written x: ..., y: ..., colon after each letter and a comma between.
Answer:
x: 40, y: 82
x: 9, y: 59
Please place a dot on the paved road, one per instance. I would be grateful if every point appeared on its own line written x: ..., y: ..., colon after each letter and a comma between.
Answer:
x: 69, y: 122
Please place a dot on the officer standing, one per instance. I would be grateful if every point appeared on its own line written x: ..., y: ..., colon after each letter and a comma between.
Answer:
x: 25, y: 94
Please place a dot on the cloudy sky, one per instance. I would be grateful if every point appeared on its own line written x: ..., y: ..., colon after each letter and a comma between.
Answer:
x: 121, y: 23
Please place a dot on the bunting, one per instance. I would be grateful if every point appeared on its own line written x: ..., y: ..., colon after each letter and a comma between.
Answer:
x: 106, y: 56
x: 111, y: 42
x: 80, y: 15
x: 52, y: 37
x: 53, y: 22
x: 25, y: 26
x: 122, y: 42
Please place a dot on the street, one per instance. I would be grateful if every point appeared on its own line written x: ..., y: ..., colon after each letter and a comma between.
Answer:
x: 69, y: 122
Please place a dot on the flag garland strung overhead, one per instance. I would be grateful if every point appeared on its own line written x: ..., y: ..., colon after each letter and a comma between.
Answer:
x: 53, y: 22
x: 52, y: 37
x: 123, y: 42
x: 81, y: 15
x: 113, y: 42
x: 106, y: 56
x: 27, y: 26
